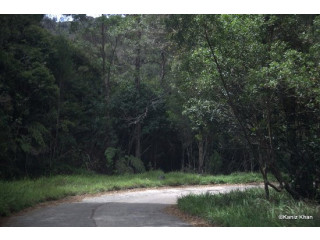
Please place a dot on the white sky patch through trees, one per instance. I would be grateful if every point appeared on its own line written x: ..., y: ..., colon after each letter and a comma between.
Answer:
x: 65, y: 18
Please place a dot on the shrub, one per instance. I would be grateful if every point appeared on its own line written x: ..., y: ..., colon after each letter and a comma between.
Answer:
x: 122, y: 166
x: 111, y: 154
x: 119, y: 164
x: 136, y: 164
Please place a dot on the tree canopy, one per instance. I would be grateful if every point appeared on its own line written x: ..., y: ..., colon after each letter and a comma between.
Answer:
x: 129, y: 93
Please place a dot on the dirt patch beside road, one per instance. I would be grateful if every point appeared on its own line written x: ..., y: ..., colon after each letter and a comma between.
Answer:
x: 192, y: 220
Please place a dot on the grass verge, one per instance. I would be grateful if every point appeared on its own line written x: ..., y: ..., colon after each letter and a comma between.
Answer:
x: 21, y: 194
x: 249, y: 208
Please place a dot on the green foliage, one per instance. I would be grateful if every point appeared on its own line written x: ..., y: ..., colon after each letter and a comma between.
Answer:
x: 214, y: 164
x: 258, y: 76
x: 129, y: 164
x: 119, y: 163
x: 136, y: 164
x: 249, y: 208
x: 122, y: 166
x: 243, y: 86
x: 29, y: 90
x: 110, y: 154
x: 46, y: 108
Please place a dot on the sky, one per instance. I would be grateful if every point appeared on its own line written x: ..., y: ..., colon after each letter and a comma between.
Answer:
x: 63, y: 18
x: 162, y: 7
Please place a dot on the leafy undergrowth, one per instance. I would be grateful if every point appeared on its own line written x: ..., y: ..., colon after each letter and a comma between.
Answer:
x: 18, y: 195
x: 249, y: 208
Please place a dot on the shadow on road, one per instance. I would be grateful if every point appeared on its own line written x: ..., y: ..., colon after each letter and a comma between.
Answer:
x: 109, y: 214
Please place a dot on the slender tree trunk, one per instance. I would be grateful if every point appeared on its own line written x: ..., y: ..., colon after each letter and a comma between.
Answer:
x: 182, y: 158
x: 108, y: 70
x: 192, y: 158
x: 138, y: 141
x: 131, y: 141
x: 138, y: 60
x: 201, y: 155
x: 137, y: 83
x: 155, y: 157
x: 103, y: 56
x: 263, y: 170
x: 163, y: 63
x: 188, y: 158
x: 56, y: 137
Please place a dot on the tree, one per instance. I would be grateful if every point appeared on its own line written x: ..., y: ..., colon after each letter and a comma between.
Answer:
x: 28, y: 93
x: 253, y: 96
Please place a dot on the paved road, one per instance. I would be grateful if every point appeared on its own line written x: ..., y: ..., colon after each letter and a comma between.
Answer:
x: 127, y: 209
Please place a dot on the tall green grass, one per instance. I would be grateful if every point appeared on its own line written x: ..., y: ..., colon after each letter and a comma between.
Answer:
x: 17, y: 195
x: 250, y: 208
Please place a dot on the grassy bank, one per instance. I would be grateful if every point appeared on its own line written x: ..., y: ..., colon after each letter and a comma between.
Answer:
x: 249, y: 208
x: 17, y: 195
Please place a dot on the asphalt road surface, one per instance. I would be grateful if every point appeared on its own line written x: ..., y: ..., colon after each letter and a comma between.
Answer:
x: 143, y: 208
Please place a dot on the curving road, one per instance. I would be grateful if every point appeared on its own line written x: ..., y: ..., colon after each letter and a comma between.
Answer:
x: 143, y: 208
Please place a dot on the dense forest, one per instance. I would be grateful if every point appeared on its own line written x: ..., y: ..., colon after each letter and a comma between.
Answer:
x: 117, y: 94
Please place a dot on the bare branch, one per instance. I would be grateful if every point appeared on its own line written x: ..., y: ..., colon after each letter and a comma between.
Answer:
x: 138, y: 119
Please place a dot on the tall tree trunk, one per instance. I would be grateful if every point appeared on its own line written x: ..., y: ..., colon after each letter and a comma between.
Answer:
x: 263, y: 170
x: 103, y: 56
x: 107, y: 63
x: 108, y: 70
x: 138, y: 54
x: 137, y: 83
